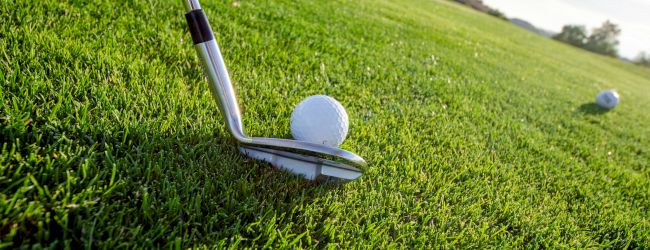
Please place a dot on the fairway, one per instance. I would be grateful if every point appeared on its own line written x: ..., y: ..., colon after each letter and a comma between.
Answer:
x: 477, y: 133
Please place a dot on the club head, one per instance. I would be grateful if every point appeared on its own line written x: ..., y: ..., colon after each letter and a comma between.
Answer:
x: 309, y: 167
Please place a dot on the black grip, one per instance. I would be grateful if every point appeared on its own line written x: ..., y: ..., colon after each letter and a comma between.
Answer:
x: 199, y: 26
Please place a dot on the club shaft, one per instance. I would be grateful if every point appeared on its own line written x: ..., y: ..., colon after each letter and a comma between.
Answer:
x: 221, y: 88
x: 191, y: 5
x: 215, y: 69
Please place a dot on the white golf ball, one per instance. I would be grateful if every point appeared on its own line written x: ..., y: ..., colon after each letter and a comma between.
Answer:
x: 607, y: 99
x: 320, y: 119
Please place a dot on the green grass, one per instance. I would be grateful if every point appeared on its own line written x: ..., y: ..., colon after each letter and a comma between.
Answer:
x: 478, y: 133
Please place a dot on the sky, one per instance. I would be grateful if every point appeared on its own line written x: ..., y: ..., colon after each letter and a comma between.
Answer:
x: 632, y: 16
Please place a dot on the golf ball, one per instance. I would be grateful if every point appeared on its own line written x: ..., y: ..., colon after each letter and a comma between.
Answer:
x: 320, y: 119
x: 607, y: 99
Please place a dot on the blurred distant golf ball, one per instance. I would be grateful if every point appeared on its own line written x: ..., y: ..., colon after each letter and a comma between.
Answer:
x: 607, y: 99
x: 320, y: 119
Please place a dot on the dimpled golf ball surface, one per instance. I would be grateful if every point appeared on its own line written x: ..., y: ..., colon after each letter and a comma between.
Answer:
x: 320, y: 119
x: 607, y: 99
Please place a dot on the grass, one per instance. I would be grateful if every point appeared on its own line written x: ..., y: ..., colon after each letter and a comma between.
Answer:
x: 478, y: 134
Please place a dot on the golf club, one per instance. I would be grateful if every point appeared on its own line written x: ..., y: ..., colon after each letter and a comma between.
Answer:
x: 303, y: 158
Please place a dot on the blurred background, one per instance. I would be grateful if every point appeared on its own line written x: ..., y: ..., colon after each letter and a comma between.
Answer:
x: 615, y: 28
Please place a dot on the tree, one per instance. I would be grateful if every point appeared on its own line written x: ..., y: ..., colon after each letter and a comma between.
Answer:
x: 643, y: 59
x: 498, y: 14
x: 575, y: 35
x: 604, y: 40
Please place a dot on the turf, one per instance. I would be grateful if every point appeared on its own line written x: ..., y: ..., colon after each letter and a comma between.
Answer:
x: 478, y: 133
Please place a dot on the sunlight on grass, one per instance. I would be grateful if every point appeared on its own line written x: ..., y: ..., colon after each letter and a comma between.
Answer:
x: 477, y: 133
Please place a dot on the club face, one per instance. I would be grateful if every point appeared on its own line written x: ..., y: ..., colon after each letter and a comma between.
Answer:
x: 309, y: 167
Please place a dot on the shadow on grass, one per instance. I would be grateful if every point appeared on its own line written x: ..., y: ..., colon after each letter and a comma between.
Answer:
x: 220, y: 192
x: 591, y: 109
x: 157, y: 187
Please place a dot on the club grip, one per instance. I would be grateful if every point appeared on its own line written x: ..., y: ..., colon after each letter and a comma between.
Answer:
x: 199, y: 27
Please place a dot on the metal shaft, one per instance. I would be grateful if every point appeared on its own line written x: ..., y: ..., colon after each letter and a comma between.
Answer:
x: 221, y: 88
x: 215, y: 70
x: 192, y: 5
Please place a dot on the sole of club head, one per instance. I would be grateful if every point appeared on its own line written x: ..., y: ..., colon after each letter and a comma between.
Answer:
x: 309, y: 167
